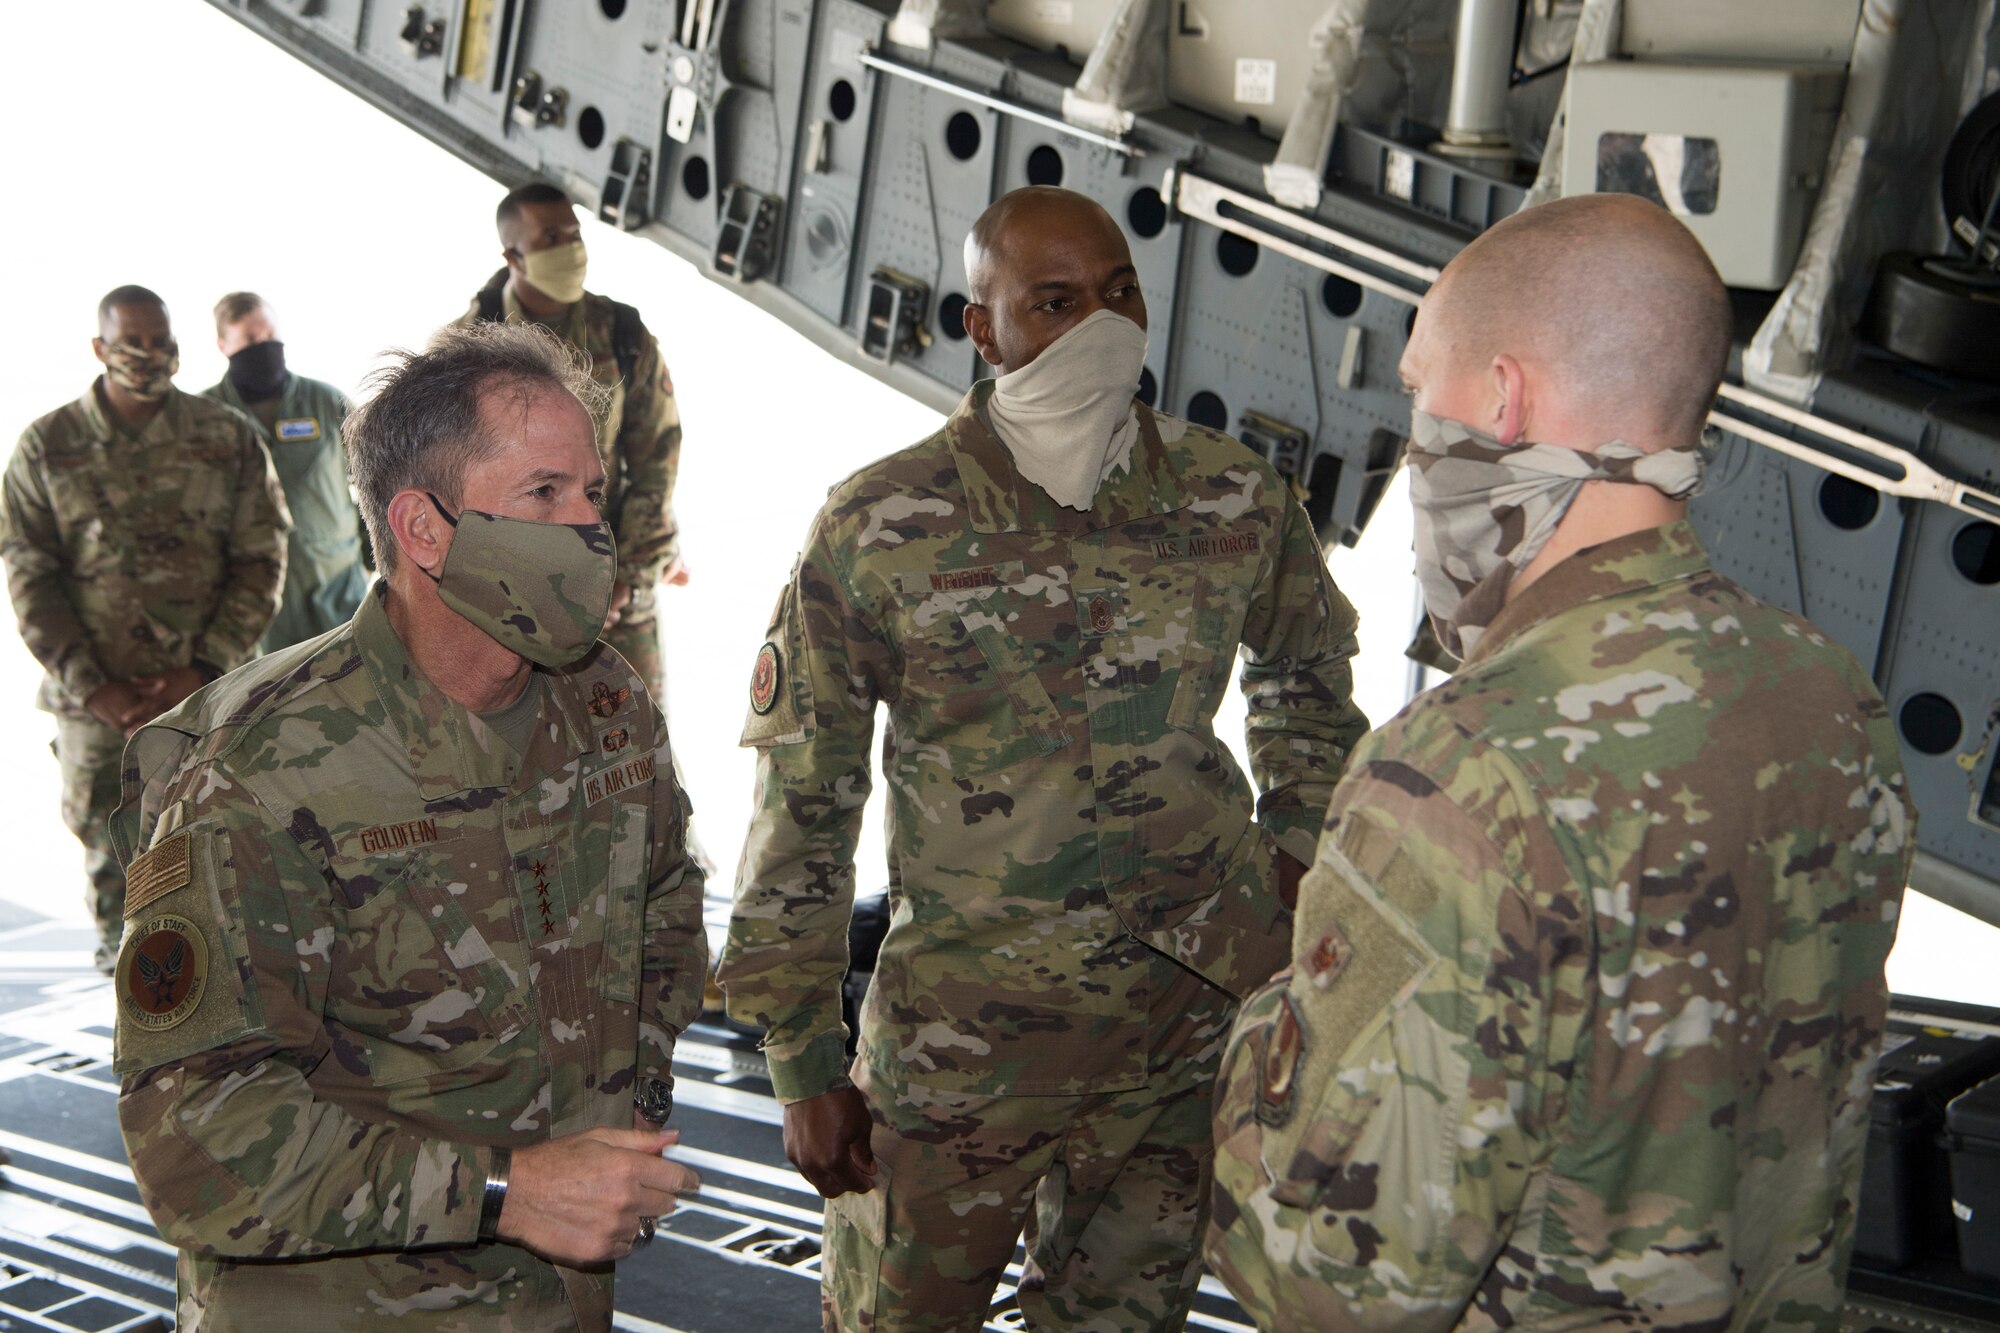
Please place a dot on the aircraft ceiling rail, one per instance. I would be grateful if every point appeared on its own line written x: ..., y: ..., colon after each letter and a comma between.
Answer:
x: 1240, y: 213
x: 1901, y: 473
x: 1000, y: 104
x: 1885, y: 467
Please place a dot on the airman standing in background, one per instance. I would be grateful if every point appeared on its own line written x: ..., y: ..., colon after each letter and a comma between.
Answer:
x: 325, y: 577
x: 638, y: 432
x: 144, y: 535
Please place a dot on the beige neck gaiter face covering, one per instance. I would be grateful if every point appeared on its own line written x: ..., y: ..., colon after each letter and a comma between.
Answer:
x: 1067, y: 416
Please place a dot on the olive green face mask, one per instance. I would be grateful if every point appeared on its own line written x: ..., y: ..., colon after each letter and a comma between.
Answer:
x: 538, y: 589
x: 557, y: 272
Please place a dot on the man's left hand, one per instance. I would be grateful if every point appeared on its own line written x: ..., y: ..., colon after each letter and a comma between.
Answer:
x: 1290, y: 871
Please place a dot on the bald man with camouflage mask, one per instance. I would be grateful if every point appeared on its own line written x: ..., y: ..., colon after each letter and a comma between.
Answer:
x: 1587, y: 991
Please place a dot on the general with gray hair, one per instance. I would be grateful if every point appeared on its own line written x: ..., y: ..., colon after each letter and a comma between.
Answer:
x: 412, y: 922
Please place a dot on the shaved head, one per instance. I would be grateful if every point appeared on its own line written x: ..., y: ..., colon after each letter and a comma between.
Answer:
x: 1039, y: 261
x: 1609, y: 306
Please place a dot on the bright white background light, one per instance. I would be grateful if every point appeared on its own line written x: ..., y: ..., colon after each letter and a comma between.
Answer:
x: 166, y: 145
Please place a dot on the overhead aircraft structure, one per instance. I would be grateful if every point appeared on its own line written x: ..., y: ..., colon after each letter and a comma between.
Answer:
x: 1293, y: 174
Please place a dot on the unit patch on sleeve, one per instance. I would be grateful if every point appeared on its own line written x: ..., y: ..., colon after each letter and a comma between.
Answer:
x: 297, y: 429
x: 155, y: 874
x: 162, y: 972
x: 764, y: 679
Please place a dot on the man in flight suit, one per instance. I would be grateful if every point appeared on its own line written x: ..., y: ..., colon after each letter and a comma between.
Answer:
x: 300, y: 420
x: 639, y: 427
x: 1587, y: 990
x: 144, y: 536
x: 411, y: 923
x: 1049, y: 595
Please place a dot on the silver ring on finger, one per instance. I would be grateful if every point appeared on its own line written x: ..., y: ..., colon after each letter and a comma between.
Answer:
x: 647, y: 1226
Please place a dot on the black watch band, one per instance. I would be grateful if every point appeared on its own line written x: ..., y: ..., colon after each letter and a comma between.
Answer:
x: 495, y: 1197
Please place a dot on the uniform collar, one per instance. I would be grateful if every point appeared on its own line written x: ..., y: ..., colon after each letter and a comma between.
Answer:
x: 1615, y: 568
x: 511, y: 311
x: 225, y: 392
x: 999, y: 499
x: 171, y: 423
x: 450, y: 750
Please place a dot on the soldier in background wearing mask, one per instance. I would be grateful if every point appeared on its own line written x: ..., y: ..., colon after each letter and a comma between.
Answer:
x: 413, y: 923
x: 1587, y: 985
x: 325, y: 577
x: 144, y: 536
x: 1048, y: 595
x: 639, y: 429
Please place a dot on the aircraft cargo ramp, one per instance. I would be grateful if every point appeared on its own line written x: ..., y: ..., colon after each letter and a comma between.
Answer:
x: 78, y: 1253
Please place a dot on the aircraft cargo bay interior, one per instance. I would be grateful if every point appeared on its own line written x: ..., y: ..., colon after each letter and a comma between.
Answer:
x: 784, y: 191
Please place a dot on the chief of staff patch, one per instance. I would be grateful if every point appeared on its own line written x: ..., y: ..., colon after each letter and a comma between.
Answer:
x: 162, y: 972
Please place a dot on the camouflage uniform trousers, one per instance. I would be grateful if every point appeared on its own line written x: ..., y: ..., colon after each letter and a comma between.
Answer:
x: 1109, y: 1193
x: 90, y: 754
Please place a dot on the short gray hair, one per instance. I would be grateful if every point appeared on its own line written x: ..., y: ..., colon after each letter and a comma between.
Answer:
x: 422, y: 430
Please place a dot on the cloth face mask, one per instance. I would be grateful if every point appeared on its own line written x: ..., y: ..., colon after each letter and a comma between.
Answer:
x: 538, y: 589
x: 1067, y: 416
x: 557, y: 272
x: 1484, y: 510
x: 146, y: 375
x: 258, y: 371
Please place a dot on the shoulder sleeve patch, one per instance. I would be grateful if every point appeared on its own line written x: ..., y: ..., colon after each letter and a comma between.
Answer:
x: 155, y: 874
x: 781, y: 700
x: 178, y: 981
x: 1355, y: 949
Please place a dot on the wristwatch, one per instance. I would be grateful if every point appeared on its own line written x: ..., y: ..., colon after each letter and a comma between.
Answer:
x: 495, y: 1197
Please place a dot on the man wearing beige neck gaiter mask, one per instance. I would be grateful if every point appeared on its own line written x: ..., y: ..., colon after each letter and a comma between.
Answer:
x: 1048, y: 596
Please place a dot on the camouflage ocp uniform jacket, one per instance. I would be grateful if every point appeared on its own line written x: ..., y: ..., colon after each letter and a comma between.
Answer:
x: 638, y: 438
x: 1063, y: 821
x: 400, y: 944
x: 131, y: 553
x: 1587, y: 987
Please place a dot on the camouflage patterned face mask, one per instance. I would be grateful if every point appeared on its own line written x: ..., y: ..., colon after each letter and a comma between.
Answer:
x: 1484, y: 510
x: 539, y: 589
x: 146, y: 375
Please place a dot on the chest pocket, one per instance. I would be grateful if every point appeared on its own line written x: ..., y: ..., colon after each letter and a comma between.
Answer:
x: 625, y: 909
x: 422, y: 978
x: 1221, y: 604
x: 975, y: 642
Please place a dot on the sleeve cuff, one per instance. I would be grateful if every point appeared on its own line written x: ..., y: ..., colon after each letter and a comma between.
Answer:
x: 448, y: 1216
x: 808, y: 1068
x: 83, y: 678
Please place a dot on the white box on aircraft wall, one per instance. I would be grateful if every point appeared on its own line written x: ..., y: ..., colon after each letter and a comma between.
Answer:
x: 1240, y: 70
x: 1072, y: 25
x: 1737, y: 152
